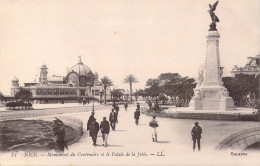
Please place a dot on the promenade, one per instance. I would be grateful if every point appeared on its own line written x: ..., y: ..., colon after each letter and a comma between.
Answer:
x: 174, y: 146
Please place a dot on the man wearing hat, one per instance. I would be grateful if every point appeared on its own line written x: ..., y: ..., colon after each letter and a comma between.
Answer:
x: 154, y: 124
x: 59, y: 136
x: 196, y: 135
x: 90, y: 119
x: 104, y: 127
x: 138, y: 106
x: 136, y: 116
x: 113, y: 119
x: 93, y: 130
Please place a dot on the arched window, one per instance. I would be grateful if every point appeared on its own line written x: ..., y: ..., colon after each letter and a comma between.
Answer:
x: 73, y: 77
x: 90, y: 79
x: 82, y: 81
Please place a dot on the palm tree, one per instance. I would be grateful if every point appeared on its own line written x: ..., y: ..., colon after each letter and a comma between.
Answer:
x: 130, y: 79
x: 106, y: 83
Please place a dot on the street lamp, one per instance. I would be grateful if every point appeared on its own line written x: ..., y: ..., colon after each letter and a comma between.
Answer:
x: 93, y: 105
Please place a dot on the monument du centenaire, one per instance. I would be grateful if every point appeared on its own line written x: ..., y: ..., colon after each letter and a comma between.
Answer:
x: 210, y: 93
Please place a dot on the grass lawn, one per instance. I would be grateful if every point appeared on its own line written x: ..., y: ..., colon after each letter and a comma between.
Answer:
x: 30, y: 135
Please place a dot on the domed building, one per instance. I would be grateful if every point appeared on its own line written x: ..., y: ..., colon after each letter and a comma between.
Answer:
x: 75, y: 86
x: 80, y: 76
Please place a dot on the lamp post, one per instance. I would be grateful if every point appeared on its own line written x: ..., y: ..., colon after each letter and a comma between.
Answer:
x: 93, y: 105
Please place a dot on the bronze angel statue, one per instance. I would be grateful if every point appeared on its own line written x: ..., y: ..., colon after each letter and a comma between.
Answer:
x: 214, y: 18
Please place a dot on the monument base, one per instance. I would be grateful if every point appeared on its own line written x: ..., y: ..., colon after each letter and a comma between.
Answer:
x: 210, y: 98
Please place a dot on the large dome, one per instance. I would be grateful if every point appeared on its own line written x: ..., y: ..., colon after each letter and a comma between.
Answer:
x: 80, y: 75
x: 80, y: 69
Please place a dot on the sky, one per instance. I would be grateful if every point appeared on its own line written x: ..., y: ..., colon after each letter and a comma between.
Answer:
x: 120, y: 37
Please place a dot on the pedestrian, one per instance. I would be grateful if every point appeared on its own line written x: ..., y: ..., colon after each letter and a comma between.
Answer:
x: 114, y: 105
x: 154, y: 124
x: 126, y: 105
x: 113, y: 119
x: 196, y: 135
x: 150, y: 104
x: 138, y: 106
x: 90, y: 119
x: 136, y: 116
x: 105, y: 128
x: 117, y: 109
x: 93, y: 131
x: 59, y: 136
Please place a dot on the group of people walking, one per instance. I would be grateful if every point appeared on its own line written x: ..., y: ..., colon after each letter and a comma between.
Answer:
x: 93, y: 127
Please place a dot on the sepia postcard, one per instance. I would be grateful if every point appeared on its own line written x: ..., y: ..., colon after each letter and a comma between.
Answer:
x: 129, y: 82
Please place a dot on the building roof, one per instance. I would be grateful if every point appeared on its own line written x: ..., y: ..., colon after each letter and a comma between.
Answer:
x: 80, y: 69
x: 252, y: 67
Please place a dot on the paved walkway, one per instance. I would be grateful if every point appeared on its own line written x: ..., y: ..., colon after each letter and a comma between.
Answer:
x: 174, y: 141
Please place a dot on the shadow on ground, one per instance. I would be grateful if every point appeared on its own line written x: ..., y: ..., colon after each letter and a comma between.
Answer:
x: 163, y: 142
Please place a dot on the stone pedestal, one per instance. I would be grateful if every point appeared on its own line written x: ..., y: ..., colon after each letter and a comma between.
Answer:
x: 211, y: 94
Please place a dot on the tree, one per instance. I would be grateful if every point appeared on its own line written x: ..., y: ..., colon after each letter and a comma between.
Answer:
x: 138, y: 93
x: 1, y: 95
x: 185, y: 92
x: 153, y: 89
x: 163, y: 98
x: 170, y: 85
x: 106, y: 83
x: 130, y: 79
x: 242, y: 87
x: 117, y: 94
x: 179, y: 89
x: 23, y: 94
x: 167, y: 77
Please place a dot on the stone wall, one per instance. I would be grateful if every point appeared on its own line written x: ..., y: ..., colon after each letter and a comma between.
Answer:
x: 240, y: 140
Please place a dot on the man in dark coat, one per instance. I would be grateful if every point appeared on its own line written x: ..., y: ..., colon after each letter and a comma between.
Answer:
x: 150, y: 104
x: 105, y: 128
x: 138, y: 106
x: 117, y: 109
x: 126, y: 105
x: 93, y: 130
x: 113, y: 119
x: 136, y: 116
x: 90, y: 119
x: 114, y: 105
x: 196, y: 135
x: 59, y: 136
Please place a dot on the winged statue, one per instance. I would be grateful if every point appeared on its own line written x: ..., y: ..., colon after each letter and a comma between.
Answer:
x: 214, y: 18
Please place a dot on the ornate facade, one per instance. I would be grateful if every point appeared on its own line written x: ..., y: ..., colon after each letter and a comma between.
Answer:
x: 75, y: 86
x: 252, y: 67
